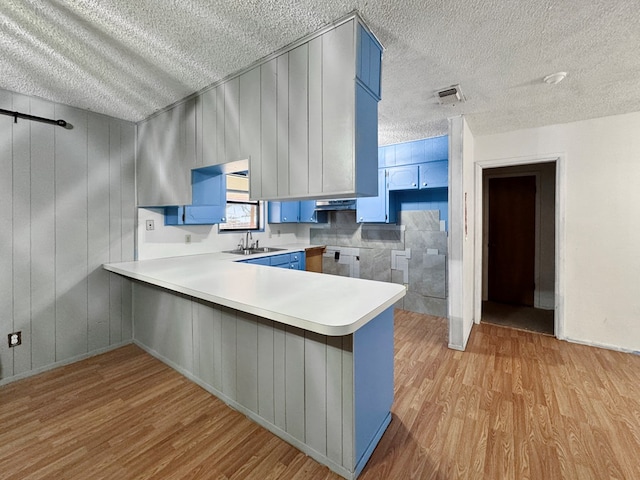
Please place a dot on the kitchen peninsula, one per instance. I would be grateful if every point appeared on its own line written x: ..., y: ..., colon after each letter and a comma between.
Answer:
x: 306, y: 355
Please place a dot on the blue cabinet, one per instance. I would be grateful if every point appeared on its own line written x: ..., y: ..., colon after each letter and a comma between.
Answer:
x: 308, y: 213
x: 403, y: 178
x: 209, y: 200
x: 259, y: 261
x: 379, y: 209
x: 292, y: 261
x: 295, y: 212
x: 284, y: 212
x: 369, y: 60
x: 413, y: 153
x: 434, y: 174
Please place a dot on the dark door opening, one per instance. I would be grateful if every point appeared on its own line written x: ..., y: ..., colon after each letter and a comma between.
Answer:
x: 512, y: 227
x: 519, y: 247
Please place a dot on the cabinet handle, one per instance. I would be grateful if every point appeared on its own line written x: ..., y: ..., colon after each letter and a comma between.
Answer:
x: 413, y: 184
x: 361, y: 219
x: 285, y: 219
x: 424, y: 184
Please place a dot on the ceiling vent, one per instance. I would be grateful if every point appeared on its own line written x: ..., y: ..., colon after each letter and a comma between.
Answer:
x: 450, y: 95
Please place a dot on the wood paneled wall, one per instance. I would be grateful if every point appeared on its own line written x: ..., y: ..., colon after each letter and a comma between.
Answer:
x: 296, y: 384
x: 67, y: 205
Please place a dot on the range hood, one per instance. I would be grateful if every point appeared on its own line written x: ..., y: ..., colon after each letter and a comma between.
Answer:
x: 337, y: 204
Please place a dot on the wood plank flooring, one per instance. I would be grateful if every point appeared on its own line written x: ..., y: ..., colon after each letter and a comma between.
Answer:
x: 515, y: 405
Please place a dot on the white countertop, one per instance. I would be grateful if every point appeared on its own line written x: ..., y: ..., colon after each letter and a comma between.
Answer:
x: 321, y: 303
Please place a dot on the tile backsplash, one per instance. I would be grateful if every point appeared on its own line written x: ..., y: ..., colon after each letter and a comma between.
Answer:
x: 413, y: 253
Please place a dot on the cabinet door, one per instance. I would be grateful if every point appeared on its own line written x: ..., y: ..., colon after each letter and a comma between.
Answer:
x: 232, y: 120
x: 434, y: 174
x: 315, y: 115
x: 374, y: 209
x: 290, y: 212
x: 164, y: 160
x: 268, y: 122
x: 204, y: 214
x: 207, y: 138
x: 299, y: 121
x: 297, y: 260
x: 387, y: 156
x: 369, y: 59
x: 250, y: 127
x: 208, y: 187
x: 436, y: 148
x: 338, y: 112
x: 308, y: 211
x: 282, y: 118
x: 404, y: 153
x: 366, y: 142
x: 403, y: 178
x: 284, y: 212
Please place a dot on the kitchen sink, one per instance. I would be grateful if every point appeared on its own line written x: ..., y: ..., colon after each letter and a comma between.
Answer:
x: 253, y: 251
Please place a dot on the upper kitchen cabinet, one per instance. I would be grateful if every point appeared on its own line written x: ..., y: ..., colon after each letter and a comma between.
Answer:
x: 209, y: 195
x: 403, y: 178
x: 378, y: 209
x: 218, y: 122
x: 319, y: 118
x: 295, y: 212
x: 416, y: 152
x: 349, y: 118
x: 369, y: 60
x: 434, y: 174
x: 250, y: 122
x: 166, y: 154
x: 306, y: 119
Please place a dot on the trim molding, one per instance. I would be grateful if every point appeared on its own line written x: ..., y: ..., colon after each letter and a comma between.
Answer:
x: 560, y: 270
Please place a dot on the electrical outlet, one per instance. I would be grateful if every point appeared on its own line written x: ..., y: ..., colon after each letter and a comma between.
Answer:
x: 15, y: 339
x: 187, y: 238
x: 150, y: 225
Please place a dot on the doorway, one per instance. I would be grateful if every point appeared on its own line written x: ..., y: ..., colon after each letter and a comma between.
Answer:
x: 519, y: 253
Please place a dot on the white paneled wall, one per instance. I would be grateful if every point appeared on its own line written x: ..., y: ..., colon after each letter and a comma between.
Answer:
x: 66, y: 207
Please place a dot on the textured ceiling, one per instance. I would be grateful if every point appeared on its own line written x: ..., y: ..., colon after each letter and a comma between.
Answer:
x: 129, y: 58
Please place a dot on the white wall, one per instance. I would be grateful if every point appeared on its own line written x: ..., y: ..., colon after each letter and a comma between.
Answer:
x: 169, y: 241
x: 601, y: 254
x: 66, y: 207
x: 461, y: 228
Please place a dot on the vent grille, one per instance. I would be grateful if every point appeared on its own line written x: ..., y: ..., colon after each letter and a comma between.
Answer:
x: 450, y: 95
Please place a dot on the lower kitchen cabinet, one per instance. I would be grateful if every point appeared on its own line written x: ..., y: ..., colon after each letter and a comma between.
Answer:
x: 292, y: 261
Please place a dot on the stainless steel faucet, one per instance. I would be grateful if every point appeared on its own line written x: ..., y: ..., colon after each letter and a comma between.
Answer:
x: 248, y: 237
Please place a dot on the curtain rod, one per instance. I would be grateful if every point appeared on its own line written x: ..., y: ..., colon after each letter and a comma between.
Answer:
x: 16, y: 115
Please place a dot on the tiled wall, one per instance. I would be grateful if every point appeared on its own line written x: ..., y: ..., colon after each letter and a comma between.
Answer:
x: 413, y: 253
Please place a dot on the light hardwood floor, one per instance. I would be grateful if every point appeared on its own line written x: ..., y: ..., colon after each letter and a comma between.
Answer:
x: 515, y: 405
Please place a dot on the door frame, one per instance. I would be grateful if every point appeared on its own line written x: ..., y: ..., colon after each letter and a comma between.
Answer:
x: 560, y: 272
